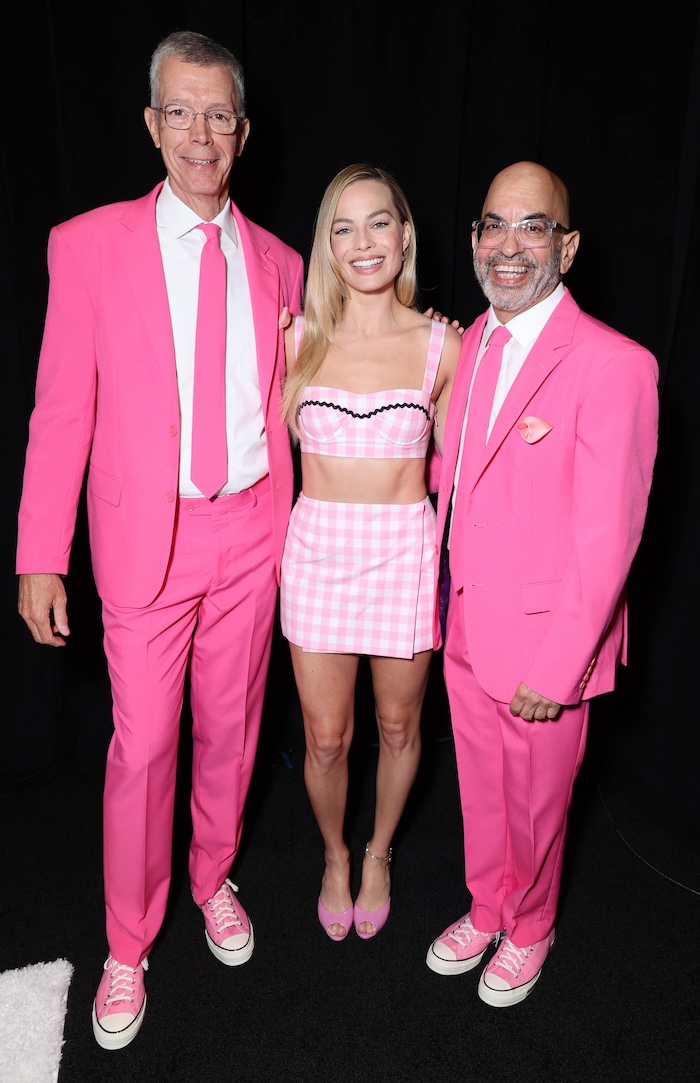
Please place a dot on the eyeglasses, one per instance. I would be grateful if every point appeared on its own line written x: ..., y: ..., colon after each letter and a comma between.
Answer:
x: 531, y: 232
x: 220, y: 121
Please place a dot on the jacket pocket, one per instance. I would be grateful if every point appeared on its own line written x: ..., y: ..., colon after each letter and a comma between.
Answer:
x: 539, y: 597
x: 104, y: 486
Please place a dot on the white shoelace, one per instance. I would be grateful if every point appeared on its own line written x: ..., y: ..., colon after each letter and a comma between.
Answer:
x: 222, y: 908
x: 464, y: 933
x: 511, y: 958
x: 122, y: 980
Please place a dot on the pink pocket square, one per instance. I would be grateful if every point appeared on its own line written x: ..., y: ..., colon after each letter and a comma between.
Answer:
x: 533, y: 429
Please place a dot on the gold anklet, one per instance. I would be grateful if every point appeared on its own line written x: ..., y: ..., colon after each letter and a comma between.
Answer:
x: 382, y: 860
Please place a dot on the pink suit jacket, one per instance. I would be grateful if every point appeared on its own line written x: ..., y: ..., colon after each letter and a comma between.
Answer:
x: 107, y: 370
x: 544, y: 532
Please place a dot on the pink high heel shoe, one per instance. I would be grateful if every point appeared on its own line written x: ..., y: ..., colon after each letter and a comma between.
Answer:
x: 328, y: 918
x: 376, y: 918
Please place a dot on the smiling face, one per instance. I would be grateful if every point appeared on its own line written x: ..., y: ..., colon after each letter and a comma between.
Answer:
x: 514, y: 278
x: 368, y: 238
x: 197, y: 160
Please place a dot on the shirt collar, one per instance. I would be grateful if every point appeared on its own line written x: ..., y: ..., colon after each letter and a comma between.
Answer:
x: 526, y: 326
x: 178, y: 219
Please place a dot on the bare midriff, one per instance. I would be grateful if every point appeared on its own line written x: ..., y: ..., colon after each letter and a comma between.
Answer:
x: 363, y: 481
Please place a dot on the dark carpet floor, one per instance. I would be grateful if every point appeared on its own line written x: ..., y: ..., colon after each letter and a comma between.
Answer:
x: 618, y: 1001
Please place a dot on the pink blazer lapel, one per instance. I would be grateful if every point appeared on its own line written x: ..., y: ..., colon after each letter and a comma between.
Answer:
x: 142, y: 267
x: 459, y: 395
x: 455, y: 415
x: 547, y: 352
x: 538, y: 365
x: 264, y: 282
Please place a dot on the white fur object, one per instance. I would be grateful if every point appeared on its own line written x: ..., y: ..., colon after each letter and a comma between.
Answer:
x: 33, y: 1004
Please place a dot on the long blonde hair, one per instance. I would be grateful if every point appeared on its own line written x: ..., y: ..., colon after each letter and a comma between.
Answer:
x: 326, y: 293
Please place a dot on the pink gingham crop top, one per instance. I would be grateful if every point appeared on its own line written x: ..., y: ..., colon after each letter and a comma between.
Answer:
x: 394, y: 424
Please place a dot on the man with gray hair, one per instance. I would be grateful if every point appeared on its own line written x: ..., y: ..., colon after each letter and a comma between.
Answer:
x: 185, y: 545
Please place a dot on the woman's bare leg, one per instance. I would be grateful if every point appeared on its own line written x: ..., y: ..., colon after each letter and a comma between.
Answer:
x: 326, y: 688
x: 399, y: 689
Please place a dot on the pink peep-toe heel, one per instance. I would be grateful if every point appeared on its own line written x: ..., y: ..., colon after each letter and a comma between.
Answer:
x: 376, y: 918
x: 328, y: 918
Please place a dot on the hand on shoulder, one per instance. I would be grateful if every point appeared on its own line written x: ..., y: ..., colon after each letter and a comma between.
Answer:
x: 432, y: 314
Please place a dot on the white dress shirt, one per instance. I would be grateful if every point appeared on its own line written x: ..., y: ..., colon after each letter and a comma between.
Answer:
x: 181, y: 244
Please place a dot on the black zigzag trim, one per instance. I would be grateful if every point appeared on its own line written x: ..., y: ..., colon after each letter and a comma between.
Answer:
x: 372, y: 413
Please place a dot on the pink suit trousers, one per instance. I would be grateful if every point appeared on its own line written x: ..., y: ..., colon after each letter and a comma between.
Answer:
x: 516, y: 781
x: 216, y: 610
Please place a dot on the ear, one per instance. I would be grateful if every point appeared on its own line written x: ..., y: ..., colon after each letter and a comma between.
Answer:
x: 406, y: 240
x: 151, y: 118
x: 242, y: 133
x: 569, y: 248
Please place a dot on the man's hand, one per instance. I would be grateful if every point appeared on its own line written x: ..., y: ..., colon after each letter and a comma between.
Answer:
x: 42, y: 604
x: 439, y: 318
x: 285, y: 319
x: 532, y: 707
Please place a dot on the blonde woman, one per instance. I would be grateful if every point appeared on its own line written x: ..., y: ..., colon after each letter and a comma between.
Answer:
x: 368, y: 385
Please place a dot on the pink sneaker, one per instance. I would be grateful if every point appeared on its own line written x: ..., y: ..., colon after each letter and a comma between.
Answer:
x: 228, y: 930
x: 459, y: 948
x: 512, y: 973
x: 119, y: 1005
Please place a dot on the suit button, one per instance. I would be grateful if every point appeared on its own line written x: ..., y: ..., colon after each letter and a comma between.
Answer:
x: 170, y: 496
x: 173, y: 430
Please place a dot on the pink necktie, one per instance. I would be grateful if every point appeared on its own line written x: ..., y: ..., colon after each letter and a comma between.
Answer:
x: 209, y: 470
x: 483, y: 391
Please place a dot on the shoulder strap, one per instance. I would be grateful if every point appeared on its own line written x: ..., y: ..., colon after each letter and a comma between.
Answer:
x: 437, y: 339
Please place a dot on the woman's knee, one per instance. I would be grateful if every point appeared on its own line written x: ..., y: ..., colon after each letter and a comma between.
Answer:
x: 398, y: 728
x: 326, y: 744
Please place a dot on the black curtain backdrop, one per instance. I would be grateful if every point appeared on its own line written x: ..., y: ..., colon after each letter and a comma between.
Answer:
x: 605, y: 94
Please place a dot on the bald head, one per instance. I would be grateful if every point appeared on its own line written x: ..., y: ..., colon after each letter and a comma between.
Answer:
x: 532, y: 186
x: 513, y: 274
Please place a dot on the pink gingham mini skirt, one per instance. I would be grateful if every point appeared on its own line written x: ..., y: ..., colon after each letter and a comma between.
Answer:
x: 359, y: 578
